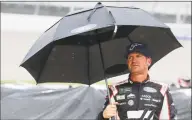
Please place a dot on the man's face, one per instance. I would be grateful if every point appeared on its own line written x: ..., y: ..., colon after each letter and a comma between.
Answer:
x: 138, y: 63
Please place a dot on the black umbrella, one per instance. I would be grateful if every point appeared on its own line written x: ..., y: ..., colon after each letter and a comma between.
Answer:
x: 88, y: 46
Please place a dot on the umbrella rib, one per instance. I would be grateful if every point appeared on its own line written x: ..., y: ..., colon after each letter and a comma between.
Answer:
x: 52, y: 45
x: 53, y: 24
x: 114, y: 22
x: 94, y: 9
x: 110, y: 13
x: 88, y: 64
x: 130, y: 39
x: 43, y: 66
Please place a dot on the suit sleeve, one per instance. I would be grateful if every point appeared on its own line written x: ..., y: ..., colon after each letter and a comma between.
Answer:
x: 168, y: 111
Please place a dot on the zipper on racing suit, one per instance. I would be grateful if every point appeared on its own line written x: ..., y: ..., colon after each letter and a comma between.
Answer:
x: 145, y: 110
x: 139, y: 93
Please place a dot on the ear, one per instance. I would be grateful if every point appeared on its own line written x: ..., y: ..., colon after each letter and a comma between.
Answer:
x: 149, y: 61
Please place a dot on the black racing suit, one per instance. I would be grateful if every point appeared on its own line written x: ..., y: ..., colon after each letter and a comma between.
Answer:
x: 139, y: 101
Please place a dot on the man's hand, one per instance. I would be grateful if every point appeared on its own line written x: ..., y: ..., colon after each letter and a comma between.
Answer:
x: 110, y: 110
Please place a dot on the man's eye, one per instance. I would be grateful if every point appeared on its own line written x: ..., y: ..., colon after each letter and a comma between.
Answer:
x: 129, y: 58
x: 138, y: 55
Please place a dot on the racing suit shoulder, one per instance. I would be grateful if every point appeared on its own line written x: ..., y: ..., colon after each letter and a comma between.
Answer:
x: 163, y: 87
x: 119, y: 83
x: 159, y: 83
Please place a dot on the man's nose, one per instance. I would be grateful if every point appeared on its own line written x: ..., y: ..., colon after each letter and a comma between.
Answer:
x: 134, y: 59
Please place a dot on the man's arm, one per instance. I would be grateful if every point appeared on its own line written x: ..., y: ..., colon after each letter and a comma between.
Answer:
x: 168, y: 111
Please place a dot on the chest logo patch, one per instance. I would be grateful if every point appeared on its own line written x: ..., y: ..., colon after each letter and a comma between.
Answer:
x: 130, y: 96
x: 124, y: 90
x: 150, y: 89
x: 130, y: 102
x: 120, y: 97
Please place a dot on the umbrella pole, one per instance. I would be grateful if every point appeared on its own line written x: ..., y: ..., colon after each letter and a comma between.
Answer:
x: 106, y: 82
x: 108, y: 93
x: 101, y: 54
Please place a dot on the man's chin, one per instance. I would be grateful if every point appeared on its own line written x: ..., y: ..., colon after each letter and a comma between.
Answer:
x: 135, y: 70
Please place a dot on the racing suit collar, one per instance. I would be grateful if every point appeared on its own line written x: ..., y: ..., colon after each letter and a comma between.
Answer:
x: 145, y: 81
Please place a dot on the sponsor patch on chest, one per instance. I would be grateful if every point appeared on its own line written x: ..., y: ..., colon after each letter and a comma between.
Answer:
x: 149, y: 90
x: 145, y: 97
x: 156, y: 100
x: 150, y: 105
x: 130, y: 96
x: 124, y: 90
x: 120, y: 97
x: 131, y: 102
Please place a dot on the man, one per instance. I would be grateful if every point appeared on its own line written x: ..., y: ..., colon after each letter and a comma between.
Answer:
x: 139, y: 97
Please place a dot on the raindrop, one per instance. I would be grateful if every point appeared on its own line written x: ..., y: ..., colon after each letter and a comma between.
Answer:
x: 73, y: 55
x: 141, y: 36
x: 54, y: 49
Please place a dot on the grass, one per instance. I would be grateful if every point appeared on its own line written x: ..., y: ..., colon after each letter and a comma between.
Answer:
x: 18, y: 82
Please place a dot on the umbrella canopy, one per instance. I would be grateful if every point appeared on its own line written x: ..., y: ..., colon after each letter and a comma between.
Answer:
x: 87, y: 46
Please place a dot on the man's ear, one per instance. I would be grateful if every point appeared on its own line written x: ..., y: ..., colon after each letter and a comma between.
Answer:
x: 149, y: 61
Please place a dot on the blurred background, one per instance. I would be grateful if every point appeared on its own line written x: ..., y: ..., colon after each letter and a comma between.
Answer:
x: 22, y: 23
